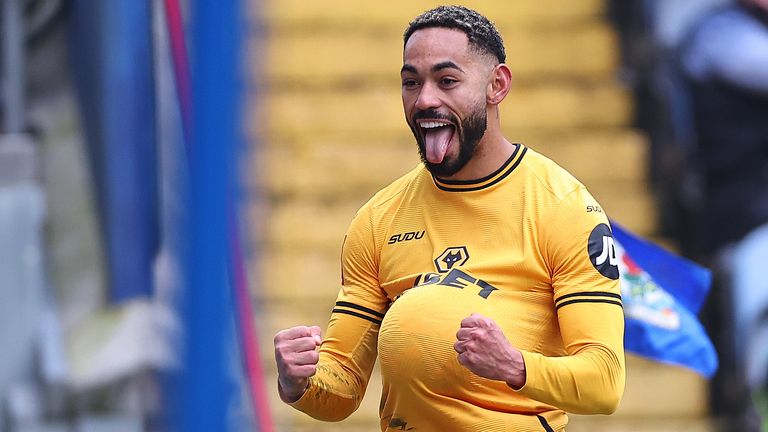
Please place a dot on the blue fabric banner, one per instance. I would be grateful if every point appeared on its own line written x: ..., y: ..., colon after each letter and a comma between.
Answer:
x: 662, y: 294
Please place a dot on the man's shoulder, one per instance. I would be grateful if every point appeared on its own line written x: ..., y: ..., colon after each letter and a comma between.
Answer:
x: 550, y: 176
x: 397, y: 188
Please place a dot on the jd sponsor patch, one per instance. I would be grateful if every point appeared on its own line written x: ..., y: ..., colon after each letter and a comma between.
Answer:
x: 602, y: 251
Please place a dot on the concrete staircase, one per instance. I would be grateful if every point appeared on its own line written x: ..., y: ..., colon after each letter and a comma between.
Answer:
x: 327, y: 116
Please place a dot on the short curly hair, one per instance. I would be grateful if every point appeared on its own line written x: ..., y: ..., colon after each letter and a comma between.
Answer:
x: 481, y: 32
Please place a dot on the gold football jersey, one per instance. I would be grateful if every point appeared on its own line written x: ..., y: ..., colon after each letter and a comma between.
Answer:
x: 527, y: 246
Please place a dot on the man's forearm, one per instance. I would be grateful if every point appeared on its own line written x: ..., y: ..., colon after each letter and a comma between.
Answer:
x: 591, y: 382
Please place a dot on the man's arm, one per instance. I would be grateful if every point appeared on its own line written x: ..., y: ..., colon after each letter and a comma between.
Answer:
x: 346, y: 360
x: 578, y: 246
x: 590, y: 378
x: 296, y: 357
x: 483, y: 349
x: 334, y: 388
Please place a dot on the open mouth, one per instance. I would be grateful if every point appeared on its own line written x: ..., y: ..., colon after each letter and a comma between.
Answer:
x: 437, y: 136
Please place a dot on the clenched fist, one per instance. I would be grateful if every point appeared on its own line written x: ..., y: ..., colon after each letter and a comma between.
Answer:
x: 484, y: 350
x: 296, y: 356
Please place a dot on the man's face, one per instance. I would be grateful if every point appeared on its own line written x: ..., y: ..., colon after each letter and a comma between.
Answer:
x: 444, y: 97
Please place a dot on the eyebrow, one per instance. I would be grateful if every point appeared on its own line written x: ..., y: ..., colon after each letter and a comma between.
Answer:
x: 438, y: 67
x: 446, y: 65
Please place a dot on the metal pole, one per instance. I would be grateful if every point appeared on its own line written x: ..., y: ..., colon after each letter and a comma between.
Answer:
x: 215, y: 134
x: 13, y: 66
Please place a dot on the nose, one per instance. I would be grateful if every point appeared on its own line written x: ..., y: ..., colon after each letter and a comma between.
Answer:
x: 428, y: 97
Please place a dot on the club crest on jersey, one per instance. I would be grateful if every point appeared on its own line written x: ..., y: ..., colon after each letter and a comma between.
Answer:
x: 452, y: 257
x: 602, y: 251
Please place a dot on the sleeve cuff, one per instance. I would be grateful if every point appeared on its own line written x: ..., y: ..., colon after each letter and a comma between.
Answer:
x: 530, y: 359
x: 295, y: 402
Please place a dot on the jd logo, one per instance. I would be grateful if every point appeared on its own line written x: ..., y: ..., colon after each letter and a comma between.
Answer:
x: 451, y: 257
x: 602, y: 251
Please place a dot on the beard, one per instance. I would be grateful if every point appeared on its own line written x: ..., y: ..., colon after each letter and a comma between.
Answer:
x: 471, y: 130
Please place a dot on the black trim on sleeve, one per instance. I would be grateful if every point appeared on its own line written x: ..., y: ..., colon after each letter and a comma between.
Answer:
x: 360, y: 308
x: 544, y: 424
x: 590, y: 294
x: 359, y: 315
x: 589, y: 301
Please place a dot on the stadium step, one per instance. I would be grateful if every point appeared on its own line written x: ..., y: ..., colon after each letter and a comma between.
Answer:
x: 393, y: 15
x: 311, y: 168
x: 533, y: 55
x: 311, y: 204
x: 378, y: 109
x: 310, y: 224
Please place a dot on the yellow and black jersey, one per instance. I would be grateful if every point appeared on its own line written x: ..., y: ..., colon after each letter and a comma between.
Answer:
x: 527, y: 246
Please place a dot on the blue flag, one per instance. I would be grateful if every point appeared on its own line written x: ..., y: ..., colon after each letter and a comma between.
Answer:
x: 662, y: 294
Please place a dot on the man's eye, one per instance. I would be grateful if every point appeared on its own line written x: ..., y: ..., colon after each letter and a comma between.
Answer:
x: 410, y: 83
x: 448, y: 81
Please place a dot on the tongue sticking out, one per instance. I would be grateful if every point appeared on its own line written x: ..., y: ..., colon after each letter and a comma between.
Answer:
x: 437, y: 141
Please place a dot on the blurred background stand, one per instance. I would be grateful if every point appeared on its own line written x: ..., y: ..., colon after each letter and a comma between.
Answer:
x: 31, y: 356
x: 112, y: 59
x: 85, y: 352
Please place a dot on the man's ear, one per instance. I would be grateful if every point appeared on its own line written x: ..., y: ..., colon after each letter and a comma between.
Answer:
x: 501, y: 82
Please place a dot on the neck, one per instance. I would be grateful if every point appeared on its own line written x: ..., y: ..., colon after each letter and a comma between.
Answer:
x: 491, y: 153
